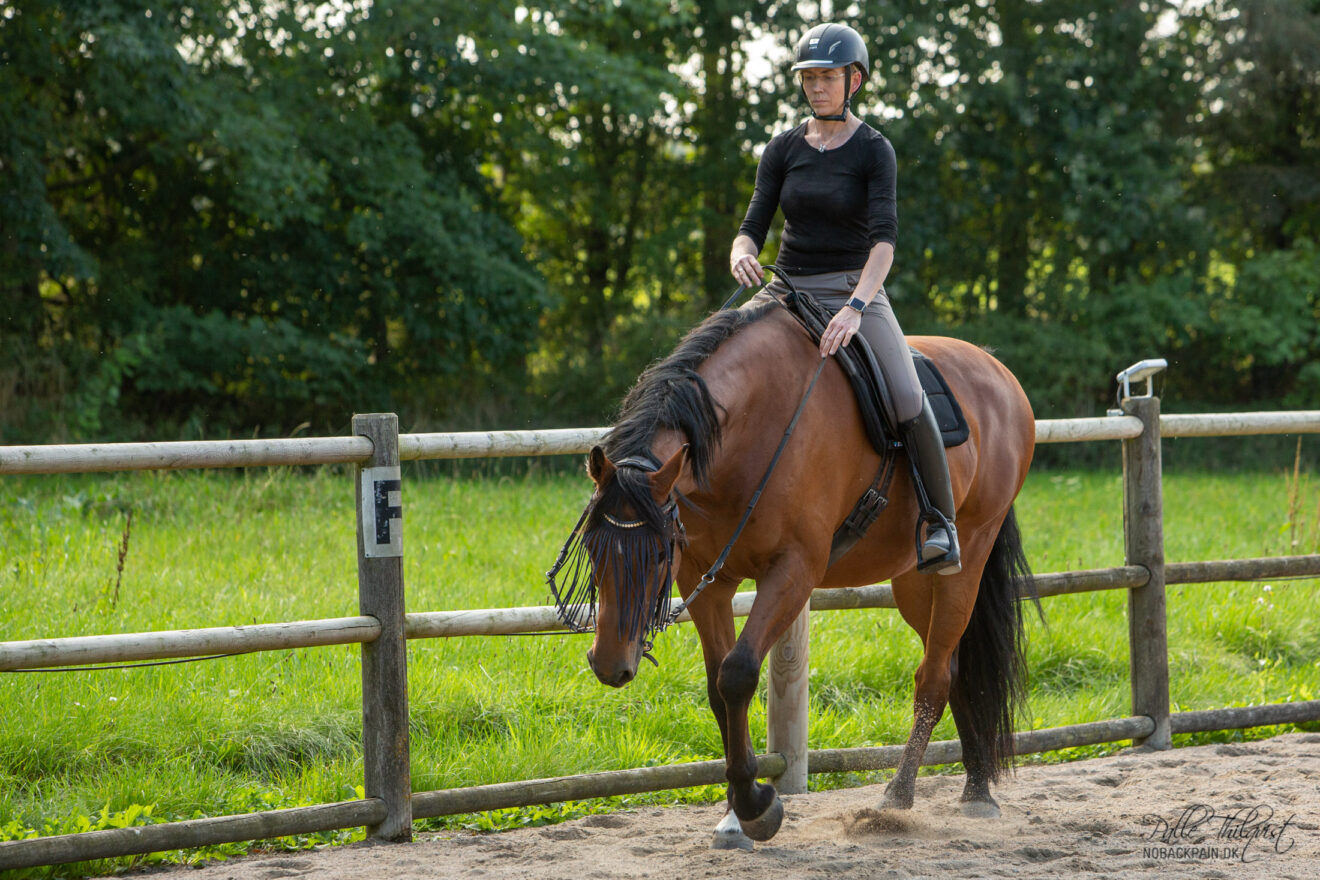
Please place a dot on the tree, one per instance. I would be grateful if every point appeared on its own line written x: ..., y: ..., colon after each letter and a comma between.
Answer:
x: 231, y: 228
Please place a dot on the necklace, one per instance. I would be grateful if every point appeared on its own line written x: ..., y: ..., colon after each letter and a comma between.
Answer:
x: 825, y: 145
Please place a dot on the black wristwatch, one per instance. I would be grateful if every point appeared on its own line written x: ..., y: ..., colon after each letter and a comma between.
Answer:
x: 858, y: 304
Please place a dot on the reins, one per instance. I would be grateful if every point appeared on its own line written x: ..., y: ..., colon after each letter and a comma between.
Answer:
x: 709, y: 577
x: 648, y: 464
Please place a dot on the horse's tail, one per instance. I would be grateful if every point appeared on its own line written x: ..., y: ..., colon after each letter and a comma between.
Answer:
x: 989, y: 688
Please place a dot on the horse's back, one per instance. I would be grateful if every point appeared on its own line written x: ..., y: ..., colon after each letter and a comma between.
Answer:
x: 1002, y: 426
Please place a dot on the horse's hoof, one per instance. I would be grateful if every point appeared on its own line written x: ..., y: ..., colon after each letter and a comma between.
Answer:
x: 729, y: 834
x: 895, y: 801
x: 896, y: 797
x: 979, y: 809
x: 731, y: 840
x: 766, y: 825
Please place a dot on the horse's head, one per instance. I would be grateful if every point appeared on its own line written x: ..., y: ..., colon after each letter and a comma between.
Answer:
x: 619, y: 564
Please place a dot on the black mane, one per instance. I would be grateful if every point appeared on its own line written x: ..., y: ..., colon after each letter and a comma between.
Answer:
x: 671, y: 394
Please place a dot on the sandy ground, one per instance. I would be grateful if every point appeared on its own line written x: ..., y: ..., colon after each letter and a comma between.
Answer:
x: 1245, y: 811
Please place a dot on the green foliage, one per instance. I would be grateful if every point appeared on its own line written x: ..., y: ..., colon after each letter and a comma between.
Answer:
x: 228, y: 219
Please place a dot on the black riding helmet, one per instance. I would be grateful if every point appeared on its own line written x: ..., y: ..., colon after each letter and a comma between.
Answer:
x: 833, y: 45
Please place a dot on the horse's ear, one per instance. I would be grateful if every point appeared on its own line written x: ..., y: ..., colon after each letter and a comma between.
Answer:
x: 599, y: 467
x: 663, y: 480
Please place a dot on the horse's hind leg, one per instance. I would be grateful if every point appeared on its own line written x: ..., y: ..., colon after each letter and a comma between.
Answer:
x: 977, y: 802
x: 938, y: 608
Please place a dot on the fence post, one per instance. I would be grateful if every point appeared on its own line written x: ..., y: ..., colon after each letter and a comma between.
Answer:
x: 787, y: 703
x: 1143, y: 544
x: 380, y: 594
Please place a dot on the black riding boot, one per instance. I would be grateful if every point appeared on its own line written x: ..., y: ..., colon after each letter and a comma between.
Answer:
x: 925, y: 448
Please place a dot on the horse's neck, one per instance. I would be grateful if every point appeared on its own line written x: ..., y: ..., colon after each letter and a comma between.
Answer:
x: 756, y: 379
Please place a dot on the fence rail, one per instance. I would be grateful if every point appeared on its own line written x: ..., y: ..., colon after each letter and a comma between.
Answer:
x: 383, y: 627
x: 173, y: 644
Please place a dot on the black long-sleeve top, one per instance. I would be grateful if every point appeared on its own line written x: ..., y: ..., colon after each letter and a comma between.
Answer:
x: 837, y: 204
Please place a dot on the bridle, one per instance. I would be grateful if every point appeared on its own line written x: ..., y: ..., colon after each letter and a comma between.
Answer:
x: 575, y: 595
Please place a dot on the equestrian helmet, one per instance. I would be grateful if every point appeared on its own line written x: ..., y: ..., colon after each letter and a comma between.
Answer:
x: 832, y: 45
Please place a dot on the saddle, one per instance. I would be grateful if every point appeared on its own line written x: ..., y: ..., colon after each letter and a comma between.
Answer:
x: 873, y: 397
x: 876, y: 405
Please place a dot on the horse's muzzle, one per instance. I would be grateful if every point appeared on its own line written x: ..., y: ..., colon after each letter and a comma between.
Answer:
x: 615, y: 674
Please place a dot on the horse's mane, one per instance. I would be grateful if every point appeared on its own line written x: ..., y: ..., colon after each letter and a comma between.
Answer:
x: 672, y: 394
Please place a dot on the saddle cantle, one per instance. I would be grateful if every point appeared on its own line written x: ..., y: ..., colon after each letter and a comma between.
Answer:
x: 873, y: 398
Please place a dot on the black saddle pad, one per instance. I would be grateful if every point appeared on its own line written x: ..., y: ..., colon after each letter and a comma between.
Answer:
x: 863, y: 372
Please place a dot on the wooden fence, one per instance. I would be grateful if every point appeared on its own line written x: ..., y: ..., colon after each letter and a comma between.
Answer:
x: 383, y: 626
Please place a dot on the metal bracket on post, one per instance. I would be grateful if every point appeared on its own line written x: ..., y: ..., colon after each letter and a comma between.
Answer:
x: 1147, y: 369
x: 385, y: 745
x: 1143, y: 545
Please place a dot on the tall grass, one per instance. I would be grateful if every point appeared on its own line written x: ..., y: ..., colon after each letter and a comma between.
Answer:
x: 261, y: 731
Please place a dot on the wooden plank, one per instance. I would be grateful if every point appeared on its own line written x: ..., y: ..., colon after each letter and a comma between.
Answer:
x: 100, y: 457
x: 787, y: 705
x: 170, y: 644
x: 1081, y: 430
x: 385, y: 744
x: 485, y: 444
x: 1240, y: 424
x: 1143, y: 543
x: 542, y: 618
x: 844, y: 598
x: 1261, y: 568
x: 430, y: 804
x: 950, y: 751
x: 115, y: 842
x: 1091, y: 580
x: 326, y: 817
x: 1239, y: 717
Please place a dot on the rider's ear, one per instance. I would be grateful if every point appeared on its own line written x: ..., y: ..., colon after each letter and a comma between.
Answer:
x: 599, y: 467
x: 663, y: 480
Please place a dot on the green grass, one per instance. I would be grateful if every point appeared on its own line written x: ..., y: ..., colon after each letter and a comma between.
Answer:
x: 83, y: 750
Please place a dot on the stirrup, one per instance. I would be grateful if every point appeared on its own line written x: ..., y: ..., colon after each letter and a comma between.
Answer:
x: 944, y: 561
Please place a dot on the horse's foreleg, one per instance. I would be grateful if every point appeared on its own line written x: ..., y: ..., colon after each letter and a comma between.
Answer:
x: 756, y: 805
x: 778, y: 602
x: 714, y: 622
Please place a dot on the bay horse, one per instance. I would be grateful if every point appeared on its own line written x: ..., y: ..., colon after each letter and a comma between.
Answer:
x: 674, y: 477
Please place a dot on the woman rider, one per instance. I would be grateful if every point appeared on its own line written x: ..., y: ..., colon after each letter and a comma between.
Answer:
x: 834, y: 178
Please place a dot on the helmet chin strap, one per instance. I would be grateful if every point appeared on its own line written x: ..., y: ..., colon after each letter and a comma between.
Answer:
x: 837, y: 117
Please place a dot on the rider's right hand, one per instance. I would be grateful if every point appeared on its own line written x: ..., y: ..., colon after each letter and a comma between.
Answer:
x: 746, y: 270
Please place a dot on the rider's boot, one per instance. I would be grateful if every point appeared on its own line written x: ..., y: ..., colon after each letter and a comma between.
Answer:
x: 925, y: 448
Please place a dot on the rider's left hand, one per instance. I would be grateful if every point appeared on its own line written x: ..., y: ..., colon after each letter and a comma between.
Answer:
x: 842, y: 328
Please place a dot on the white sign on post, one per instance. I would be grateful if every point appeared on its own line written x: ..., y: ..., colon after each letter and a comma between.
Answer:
x: 382, y: 512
